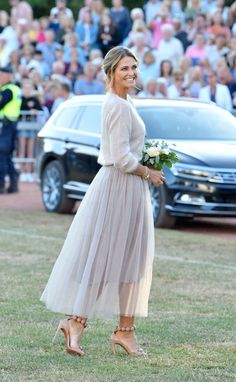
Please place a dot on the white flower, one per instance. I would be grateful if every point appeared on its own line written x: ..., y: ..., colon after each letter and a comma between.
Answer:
x: 153, y: 152
x: 165, y: 151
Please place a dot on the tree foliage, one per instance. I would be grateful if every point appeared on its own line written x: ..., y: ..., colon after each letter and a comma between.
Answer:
x: 42, y: 8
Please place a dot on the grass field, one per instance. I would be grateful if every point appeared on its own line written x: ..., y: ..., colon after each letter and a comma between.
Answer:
x: 190, y: 334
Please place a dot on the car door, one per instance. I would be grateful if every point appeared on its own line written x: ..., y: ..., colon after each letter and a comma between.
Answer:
x: 82, y: 148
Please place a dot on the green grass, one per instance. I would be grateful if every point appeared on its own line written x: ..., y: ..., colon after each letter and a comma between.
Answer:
x: 190, y: 334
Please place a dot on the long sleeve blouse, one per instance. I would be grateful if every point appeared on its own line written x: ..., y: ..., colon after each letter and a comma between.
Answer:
x: 123, y: 134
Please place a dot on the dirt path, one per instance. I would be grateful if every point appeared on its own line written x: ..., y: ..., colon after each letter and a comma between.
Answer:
x: 29, y: 199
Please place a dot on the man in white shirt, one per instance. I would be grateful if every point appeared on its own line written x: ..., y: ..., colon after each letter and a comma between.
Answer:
x: 216, y: 92
x: 170, y: 48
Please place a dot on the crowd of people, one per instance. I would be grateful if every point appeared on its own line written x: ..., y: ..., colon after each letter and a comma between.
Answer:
x: 187, y: 52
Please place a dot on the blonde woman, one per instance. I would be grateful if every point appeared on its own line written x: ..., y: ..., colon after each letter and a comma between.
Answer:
x: 105, y: 266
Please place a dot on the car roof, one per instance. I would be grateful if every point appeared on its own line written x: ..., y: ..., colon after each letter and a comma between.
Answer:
x: 99, y: 99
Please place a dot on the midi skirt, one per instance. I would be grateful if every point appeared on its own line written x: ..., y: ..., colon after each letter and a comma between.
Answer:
x: 105, y: 265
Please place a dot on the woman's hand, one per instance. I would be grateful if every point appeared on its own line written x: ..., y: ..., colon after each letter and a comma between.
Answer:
x: 156, y: 177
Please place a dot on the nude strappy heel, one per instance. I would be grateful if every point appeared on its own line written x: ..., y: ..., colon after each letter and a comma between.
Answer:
x: 65, y: 328
x: 130, y: 347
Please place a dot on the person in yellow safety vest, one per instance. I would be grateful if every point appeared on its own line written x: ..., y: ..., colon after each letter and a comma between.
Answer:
x: 10, y: 104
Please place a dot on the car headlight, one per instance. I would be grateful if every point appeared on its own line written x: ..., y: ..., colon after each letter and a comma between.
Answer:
x: 189, y: 172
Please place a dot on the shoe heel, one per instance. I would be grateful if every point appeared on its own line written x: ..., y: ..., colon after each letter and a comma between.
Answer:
x: 113, y: 348
x: 57, y: 331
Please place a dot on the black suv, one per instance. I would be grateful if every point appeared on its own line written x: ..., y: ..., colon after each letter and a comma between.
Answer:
x: 203, y: 135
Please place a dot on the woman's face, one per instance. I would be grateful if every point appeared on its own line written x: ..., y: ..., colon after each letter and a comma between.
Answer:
x: 125, y: 74
x: 166, y: 68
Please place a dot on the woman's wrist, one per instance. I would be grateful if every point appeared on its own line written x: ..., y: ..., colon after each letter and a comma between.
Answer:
x: 146, y: 174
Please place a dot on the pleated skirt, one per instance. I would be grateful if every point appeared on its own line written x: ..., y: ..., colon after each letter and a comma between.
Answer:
x: 105, y: 265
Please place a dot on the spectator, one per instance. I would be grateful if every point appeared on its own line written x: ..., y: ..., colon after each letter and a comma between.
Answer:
x: 170, y: 48
x: 232, y: 52
x: 58, y: 70
x: 87, y: 32
x: 218, y: 27
x: 107, y: 34
x: 72, y: 42
x: 8, y: 43
x: 4, y: 18
x: 52, y: 94
x: 88, y: 6
x: 148, y: 69
x: 89, y: 85
x: 26, y: 138
x: 226, y: 78
x: 37, y: 62
x: 66, y: 26
x: 151, y: 8
x: 139, y: 27
x: 73, y: 66
x: 150, y: 89
x: 216, y: 51
x: 48, y: 48
x: 98, y: 9
x: 197, y: 51
x: 64, y: 94
x: 177, y: 89
x: 44, y: 25
x: 121, y: 19
x: 193, y: 8
x: 139, y: 48
x: 161, y: 18
x: 216, y: 92
x: 181, y: 34
x: 199, y: 26
x: 166, y: 71
x: 136, y: 14
x: 185, y: 66
x: 177, y: 11
x: 162, y: 88
x: 195, y: 81
x: 21, y: 14
x: 57, y: 12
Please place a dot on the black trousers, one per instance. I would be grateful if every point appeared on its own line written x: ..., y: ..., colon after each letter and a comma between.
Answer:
x: 7, y: 145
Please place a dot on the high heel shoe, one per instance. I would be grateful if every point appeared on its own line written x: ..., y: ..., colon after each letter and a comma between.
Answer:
x: 65, y: 328
x: 130, y: 347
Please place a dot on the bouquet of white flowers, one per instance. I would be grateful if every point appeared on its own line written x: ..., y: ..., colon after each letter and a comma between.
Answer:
x: 157, y: 153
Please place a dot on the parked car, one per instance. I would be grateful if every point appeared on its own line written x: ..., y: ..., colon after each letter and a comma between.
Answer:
x: 202, y: 183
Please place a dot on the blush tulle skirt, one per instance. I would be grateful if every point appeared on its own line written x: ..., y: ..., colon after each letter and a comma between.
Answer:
x: 105, y: 265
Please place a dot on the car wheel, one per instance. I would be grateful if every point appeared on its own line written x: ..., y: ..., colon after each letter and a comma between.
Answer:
x: 53, y: 193
x: 159, y: 198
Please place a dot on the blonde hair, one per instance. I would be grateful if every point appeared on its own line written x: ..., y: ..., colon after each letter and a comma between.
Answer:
x: 113, y: 57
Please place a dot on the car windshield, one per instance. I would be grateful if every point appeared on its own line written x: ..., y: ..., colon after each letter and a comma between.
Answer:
x: 188, y: 123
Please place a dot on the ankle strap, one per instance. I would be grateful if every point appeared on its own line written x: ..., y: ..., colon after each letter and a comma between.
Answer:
x: 125, y: 329
x: 81, y: 320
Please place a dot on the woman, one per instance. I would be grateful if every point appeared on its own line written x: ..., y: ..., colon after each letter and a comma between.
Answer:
x: 107, y: 34
x: 31, y: 109
x: 105, y: 266
x: 87, y: 32
x: 197, y: 51
x: 166, y: 71
x: 217, y: 26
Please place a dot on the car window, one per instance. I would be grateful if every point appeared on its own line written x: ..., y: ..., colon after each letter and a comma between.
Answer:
x: 68, y: 118
x: 188, y: 123
x: 91, y: 119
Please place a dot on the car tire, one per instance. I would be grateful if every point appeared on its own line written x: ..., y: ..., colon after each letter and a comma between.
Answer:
x: 159, y: 199
x: 53, y: 194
